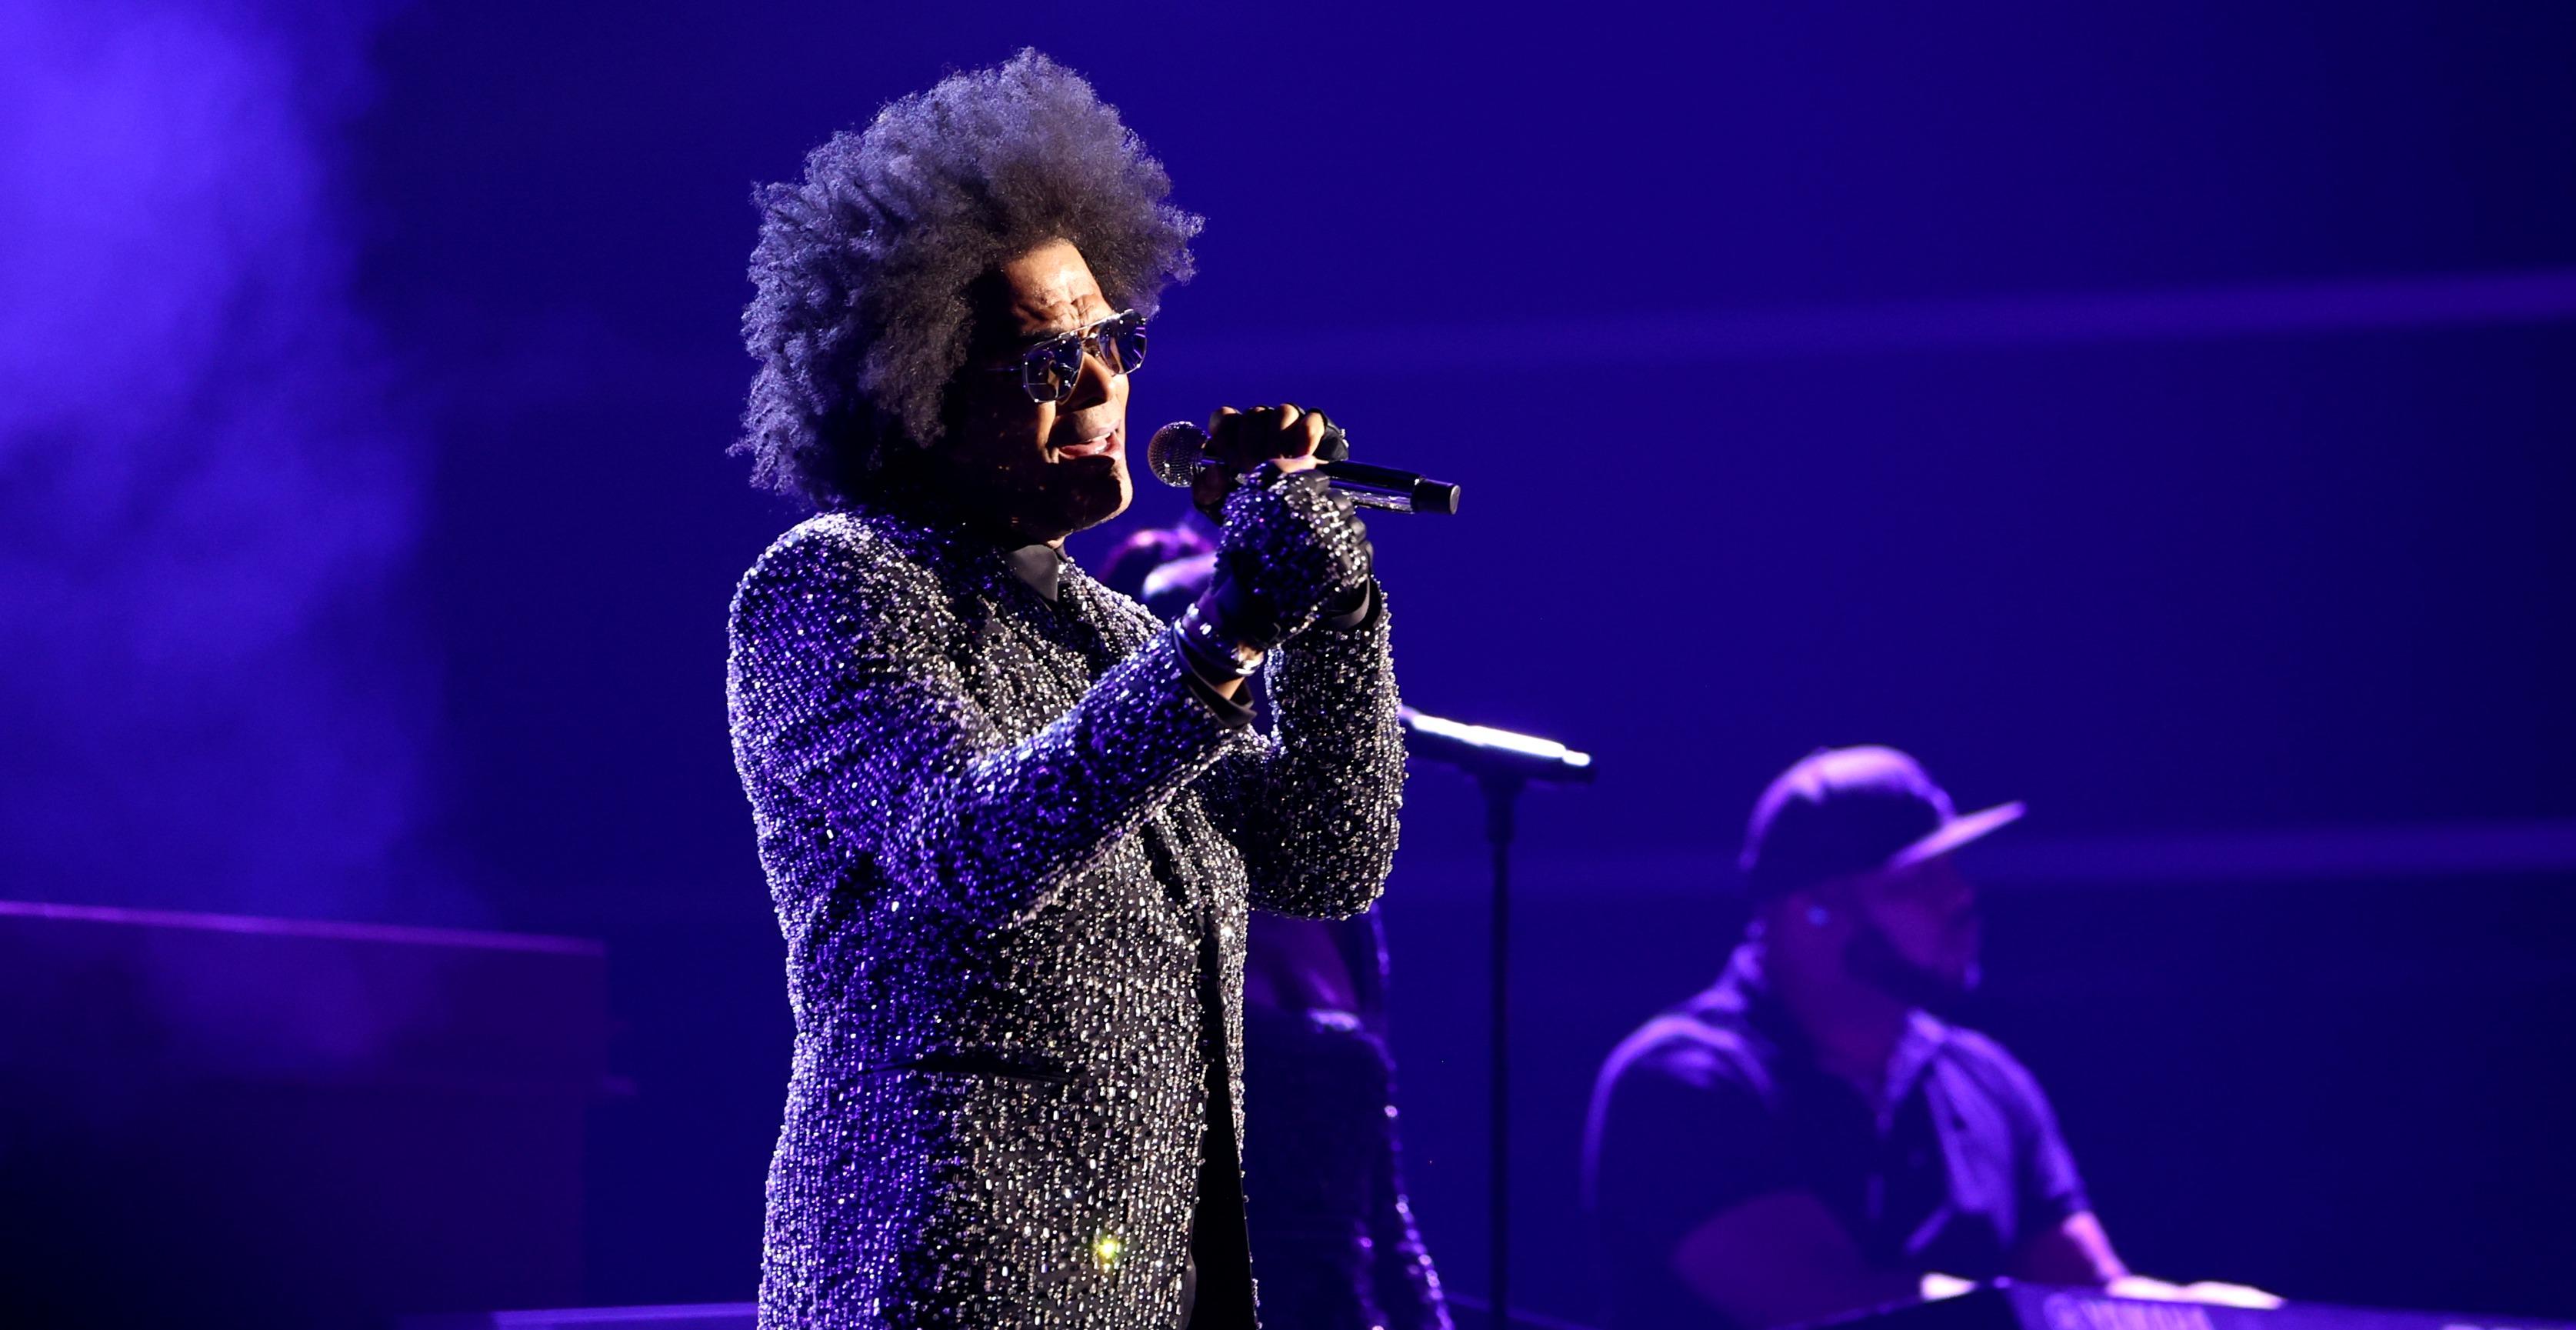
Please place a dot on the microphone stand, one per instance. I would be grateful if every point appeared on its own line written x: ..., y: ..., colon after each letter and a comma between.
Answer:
x: 1502, y: 764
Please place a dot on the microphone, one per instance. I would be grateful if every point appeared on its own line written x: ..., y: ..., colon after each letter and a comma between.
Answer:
x: 1179, y: 449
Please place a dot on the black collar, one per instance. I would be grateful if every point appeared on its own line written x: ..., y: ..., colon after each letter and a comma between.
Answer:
x: 1040, y: 566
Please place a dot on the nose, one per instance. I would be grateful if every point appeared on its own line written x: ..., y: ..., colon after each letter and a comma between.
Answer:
x: 1095, y: 384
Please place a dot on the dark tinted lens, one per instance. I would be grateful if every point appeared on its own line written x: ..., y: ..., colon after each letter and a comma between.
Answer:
x: 1123, y: 345
x: 1049, y: 369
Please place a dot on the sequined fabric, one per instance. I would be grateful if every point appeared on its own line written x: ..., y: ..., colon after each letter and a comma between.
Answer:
x: 1294, y: 544
x: 997, y: 831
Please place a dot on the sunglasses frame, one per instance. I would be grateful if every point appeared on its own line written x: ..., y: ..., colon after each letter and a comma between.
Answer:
x: 1049, y: 370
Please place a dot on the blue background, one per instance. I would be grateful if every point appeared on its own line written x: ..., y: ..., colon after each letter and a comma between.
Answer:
x: 2159, y: 413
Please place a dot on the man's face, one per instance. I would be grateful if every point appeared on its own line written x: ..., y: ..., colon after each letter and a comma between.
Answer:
x: 1918, y: 932
x: 1038, y: 470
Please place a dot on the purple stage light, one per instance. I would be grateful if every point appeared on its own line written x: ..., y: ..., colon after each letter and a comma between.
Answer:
x: 214, y: 701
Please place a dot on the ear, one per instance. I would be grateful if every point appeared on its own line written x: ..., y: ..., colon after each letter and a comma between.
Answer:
x: 1827, y: 903
x: 1800, y: 912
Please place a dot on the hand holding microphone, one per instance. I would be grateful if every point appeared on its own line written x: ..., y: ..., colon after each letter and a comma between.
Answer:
x: 1209, y: 463
x: 1200, y: 460
x: 1293, y: 549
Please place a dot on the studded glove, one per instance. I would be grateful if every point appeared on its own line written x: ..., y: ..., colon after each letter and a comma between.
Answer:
x: 1293, y: 551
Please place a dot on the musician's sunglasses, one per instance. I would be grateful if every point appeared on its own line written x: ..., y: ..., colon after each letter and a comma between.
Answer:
x: 1049, y: 369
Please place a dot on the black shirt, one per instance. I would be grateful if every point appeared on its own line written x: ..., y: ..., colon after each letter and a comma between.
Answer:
x: 1719, y: 1101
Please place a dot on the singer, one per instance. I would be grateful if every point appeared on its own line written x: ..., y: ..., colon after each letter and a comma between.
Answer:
x: 1011, y: 824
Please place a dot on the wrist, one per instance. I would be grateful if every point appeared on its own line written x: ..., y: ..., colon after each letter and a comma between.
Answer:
x: 1210, y: 651
x: 1230, y: 617
x: 1353, y: 609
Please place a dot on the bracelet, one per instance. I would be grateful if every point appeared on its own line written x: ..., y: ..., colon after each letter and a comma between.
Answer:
x: 1208, y: 653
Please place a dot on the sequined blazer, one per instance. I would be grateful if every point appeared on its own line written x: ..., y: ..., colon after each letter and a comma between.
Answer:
x: 1003, y: 837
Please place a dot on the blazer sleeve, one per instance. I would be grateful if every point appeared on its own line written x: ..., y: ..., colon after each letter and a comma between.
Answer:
x: 847, y: 711
x: 1313, y: 806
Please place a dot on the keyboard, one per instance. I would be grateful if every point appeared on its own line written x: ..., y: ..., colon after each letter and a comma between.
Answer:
x: 2040, y: 1307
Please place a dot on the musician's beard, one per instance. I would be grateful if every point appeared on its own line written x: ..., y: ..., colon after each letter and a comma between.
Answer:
x: 1874, y: 960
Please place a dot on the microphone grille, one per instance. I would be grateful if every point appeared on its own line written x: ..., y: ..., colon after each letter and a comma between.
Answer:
x: 1174, y: 453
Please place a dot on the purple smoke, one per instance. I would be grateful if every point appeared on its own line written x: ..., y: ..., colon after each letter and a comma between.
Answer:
x: 207, y: 495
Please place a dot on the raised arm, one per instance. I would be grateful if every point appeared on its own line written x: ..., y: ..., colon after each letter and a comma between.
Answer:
x: 841, y: 700
x: 1313, y: 806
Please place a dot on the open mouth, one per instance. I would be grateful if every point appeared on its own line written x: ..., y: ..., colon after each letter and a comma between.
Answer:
x: 1112, y: 443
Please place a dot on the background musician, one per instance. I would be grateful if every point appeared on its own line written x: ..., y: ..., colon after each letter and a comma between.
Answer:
x: 1805, y: 1137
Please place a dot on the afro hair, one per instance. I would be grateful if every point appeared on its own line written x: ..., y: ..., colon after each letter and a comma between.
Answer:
x: 862, y: 315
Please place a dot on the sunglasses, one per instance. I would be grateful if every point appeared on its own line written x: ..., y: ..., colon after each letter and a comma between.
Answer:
x: 1049, y: 370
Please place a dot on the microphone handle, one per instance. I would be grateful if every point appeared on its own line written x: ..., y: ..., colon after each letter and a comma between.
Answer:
x: 1386, y: 487
x: 1381, y: 487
